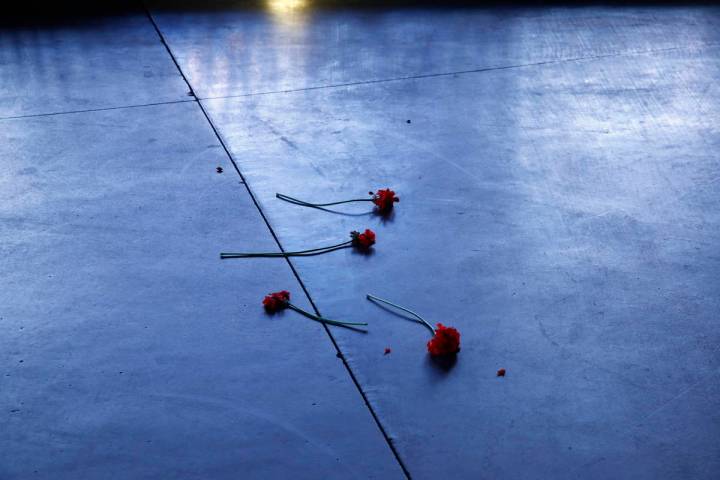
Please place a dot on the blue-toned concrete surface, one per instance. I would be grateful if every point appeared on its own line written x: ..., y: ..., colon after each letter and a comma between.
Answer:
x: 237, y: 51
x: 85, y: 64
x: 560, y: 205
x: 128, y: 349
x: 563, y: 215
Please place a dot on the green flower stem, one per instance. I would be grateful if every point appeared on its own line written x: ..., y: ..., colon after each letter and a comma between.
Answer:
x: 323, y: 320
x: 300, y: 253
x: 308, y: 204
x: 422, y: 320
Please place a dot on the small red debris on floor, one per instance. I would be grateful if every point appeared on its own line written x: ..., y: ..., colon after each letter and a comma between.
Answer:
x: 501, y: 372
x: 388, y: 350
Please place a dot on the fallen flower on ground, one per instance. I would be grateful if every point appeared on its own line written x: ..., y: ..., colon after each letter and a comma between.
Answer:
x: 274, y: 302
x: 445, y: 341
x: 360, y: 241
x: 384, y: 201
x: 363, y: 241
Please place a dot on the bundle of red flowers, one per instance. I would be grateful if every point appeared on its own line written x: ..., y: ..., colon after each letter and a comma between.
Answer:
x: 360, y: 241
x: 274, y: 302
x: 363, y: 241
x: 384, y: 201
x: 445, y: 341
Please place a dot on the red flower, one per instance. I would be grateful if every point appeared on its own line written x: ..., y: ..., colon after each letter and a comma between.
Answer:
x: 276, y: 301
x: 445, y: 342
x: 363, y: 241
x: 384, y: 200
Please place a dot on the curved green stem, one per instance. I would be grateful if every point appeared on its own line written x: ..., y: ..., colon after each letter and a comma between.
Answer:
x: 321, y: 319
x: 299, y: 253
x: 308, y: 204
x: 421, y: 319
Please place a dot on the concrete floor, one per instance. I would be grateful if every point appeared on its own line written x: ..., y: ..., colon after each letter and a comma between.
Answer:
x: 560, y: 205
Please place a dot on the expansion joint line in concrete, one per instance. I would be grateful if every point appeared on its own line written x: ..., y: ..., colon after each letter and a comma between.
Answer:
x: 279, y: 244
x: 90, y: 110
x: 195, y: 98
x: 466, y: 72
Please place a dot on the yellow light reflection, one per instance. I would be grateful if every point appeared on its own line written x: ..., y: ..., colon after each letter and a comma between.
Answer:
x: 286, y: 6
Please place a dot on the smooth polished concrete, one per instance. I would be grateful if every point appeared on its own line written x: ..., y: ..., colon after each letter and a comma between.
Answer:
x: 231, y: 52
x: 560, y: 205
x: 129, y: 350
x: 86, y: 64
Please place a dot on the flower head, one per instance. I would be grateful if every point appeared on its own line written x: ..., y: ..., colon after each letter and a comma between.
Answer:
x: 276, y: 301
x: 363, y: 241
x: 445, y: 342
x: 384, y: 200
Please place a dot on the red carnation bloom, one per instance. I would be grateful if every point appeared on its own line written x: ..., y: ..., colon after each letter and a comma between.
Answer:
x: 276, y: 301
x: 363, y: 241
x: 384, y: 200
x: 445, y: 342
